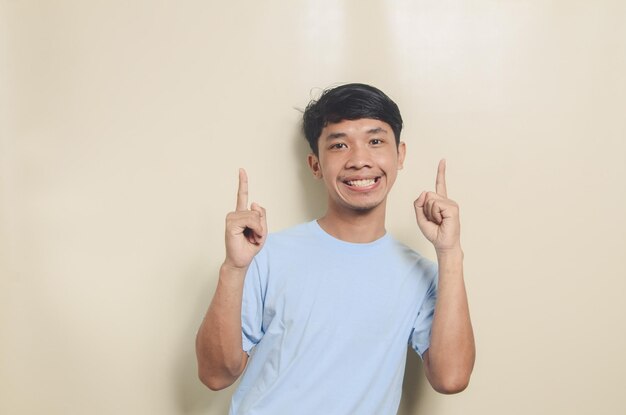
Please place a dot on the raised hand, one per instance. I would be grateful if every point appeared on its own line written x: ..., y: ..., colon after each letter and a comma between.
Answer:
x: 246, y: 229
x: 437, y: 216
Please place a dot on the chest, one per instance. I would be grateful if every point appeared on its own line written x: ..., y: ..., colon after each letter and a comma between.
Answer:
x: 359, y: 297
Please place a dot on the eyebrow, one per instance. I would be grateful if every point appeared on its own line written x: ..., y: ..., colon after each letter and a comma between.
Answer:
x: 377, y: 130
x: 335, y: 136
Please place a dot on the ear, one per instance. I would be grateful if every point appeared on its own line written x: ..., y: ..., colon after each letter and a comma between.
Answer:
x: 401, y: 154
x: 314, y: 165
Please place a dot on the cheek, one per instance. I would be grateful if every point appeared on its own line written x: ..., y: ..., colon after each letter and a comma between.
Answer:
x: 389, y: 163
x: 328, y: 165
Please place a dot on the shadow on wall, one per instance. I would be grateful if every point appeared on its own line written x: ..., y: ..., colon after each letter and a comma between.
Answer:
x: 191, y: 396
x: 313, y: 192
x: 413, y: 386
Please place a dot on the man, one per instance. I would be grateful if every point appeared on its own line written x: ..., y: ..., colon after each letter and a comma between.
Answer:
x: 320, y: 315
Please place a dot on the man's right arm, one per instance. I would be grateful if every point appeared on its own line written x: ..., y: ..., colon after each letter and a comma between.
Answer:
x: 221, y: 358
x: 219, y: 351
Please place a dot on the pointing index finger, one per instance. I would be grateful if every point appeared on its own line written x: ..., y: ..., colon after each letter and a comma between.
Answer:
x: 440, y: 183
x: 242, y: 191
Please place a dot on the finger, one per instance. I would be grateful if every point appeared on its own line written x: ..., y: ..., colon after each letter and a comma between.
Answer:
x: 440, y: 183
x: 433, y: 207
x: 436, y: 213
x: 419, y: 208
x: 428, y: 210
x: 419, y: 202
x: 246, y: 221
x: 420, y: 214
x: 253, y: 228
x: 242, y: 191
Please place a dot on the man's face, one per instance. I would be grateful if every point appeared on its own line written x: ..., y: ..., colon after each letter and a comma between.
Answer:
x: 358, y: 161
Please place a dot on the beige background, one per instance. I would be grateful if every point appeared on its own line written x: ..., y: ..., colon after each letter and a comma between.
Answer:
x: 123, y: 125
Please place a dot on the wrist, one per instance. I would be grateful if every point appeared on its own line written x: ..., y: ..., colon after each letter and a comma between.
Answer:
x: 450, y: 263
x: 229, y: 270
x: 455, y: 252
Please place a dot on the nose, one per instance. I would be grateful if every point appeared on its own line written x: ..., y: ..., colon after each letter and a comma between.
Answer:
x: 359, y: 158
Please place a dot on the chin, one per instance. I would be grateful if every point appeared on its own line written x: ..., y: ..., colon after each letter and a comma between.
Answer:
x: 364, y: 207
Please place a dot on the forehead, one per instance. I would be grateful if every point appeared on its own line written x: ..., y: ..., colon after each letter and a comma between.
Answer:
x: 361, y: 126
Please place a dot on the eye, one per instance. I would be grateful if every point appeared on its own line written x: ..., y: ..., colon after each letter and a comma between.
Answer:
x: 376, y: 141
x: 338, y: 146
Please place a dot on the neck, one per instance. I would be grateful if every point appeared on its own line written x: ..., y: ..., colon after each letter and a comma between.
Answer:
x: 356, y: 227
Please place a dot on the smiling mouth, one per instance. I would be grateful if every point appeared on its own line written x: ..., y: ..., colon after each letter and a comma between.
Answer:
x: 362, y: 182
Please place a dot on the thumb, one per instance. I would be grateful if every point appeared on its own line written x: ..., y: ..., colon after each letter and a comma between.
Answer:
x: 262, y: 215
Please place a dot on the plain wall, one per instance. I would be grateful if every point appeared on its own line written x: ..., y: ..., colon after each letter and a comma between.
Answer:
x: 123, y: 125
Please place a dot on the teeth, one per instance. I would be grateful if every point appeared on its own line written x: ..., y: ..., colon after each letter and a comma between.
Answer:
x: 362, y: 183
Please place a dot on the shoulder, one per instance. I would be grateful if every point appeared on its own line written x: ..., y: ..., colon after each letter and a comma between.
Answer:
x: 408, y: 254
x: 290, y: 240
x: 293, y: 234
x: 416, y: 262
x: 285, y: 252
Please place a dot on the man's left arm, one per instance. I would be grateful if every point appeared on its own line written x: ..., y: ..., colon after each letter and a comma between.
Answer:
x: 449, y: 360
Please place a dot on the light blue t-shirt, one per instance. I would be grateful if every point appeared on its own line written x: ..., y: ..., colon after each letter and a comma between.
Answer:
x: 326, y: 324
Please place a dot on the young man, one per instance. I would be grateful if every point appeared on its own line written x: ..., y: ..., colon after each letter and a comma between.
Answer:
x: 320, y: 315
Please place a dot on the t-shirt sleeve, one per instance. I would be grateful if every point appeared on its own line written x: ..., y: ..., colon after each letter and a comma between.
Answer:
x: 420, y: 336
x: 252, y: 308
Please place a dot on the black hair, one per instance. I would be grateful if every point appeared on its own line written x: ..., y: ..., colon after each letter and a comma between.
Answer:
x: 349, y: 102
